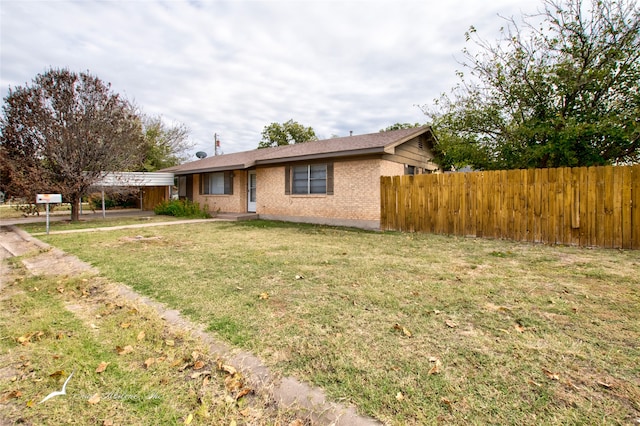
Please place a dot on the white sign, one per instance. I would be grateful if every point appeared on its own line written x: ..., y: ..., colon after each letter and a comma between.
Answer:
x: 48, y: 198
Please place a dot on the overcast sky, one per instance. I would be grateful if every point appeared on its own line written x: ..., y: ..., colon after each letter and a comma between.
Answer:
x: 233, y: 67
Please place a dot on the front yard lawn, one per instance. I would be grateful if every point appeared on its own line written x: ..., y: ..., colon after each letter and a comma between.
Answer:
x: 413, y: 329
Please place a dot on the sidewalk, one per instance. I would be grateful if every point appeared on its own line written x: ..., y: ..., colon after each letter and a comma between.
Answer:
x: 115, y: 214
x: 86, y: 215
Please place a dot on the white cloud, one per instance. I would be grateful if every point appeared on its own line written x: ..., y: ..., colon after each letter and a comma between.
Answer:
x: 232, y: 67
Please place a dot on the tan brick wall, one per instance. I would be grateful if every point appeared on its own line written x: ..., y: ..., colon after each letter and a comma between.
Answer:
x: 356, y: 193
x: 236, y: 203
x: 389, y: 168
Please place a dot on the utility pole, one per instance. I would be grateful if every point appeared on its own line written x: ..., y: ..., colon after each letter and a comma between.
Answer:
x: 216, y: 141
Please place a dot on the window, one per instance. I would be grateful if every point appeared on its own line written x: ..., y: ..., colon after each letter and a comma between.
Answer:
x: 216, y: 183
x: 309, y: 179
x: 410, y: 170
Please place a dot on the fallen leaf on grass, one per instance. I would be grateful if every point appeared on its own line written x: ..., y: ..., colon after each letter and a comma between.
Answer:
x: 60, y: 290
x: 536, y: 384
x: 189, y: 419
x: 125, y: 325
x: 447, y: 402
x: 94, y: 399
x: 198, y: 365
x: 31, y: 403
x: 123, y: 351
x: 450, y: 324
x: 399, y: 396
x: 149, y: 362
x: 435, y: 368
x: 225, y: 367
x: 169, y: 342
x: 404, y: 330
x: 297, y: 422
x: 299, y: 277
x: 233, y: 383
x: 551, y: 374
x: 102, y: 366
x: 141, y: 336
x: 604, y: 385
x: 519, y: 328
x: 264, y: 296
x: 25, y: 339
x: 243, y: 392
x: 58, y: 373
x: 11, y: 395
x: 198, y: 374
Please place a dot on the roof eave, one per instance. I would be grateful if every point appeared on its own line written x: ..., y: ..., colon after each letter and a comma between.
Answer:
x: 213, y: 169
x: 323, y: 155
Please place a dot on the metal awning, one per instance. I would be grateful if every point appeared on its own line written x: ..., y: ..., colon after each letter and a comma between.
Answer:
x: 136, y: 179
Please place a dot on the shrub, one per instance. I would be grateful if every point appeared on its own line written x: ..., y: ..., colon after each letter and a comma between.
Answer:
x: 181, y: 208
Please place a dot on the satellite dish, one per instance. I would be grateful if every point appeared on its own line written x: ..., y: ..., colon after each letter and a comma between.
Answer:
x: 201, y: 154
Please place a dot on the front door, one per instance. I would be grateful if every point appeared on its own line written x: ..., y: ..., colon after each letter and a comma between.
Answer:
x: 251, y: 189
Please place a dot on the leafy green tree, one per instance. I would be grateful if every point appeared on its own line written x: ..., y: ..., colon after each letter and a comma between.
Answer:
x: 287, y: 133
x: 561, y: 88
x: 62, y: 133
x: 400, y: 126
x: 165, y: 146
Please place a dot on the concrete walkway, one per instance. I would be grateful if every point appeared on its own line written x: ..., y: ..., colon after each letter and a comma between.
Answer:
x: 309, y: 401
x: 61, y: 216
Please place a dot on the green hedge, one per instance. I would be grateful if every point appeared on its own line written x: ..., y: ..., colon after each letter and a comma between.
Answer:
x: 181, y: 208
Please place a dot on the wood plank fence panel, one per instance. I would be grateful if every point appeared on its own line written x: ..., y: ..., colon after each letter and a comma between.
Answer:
x: 585, y: 206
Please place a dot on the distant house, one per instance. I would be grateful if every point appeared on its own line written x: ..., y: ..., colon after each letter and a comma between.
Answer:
x: 334, y: 181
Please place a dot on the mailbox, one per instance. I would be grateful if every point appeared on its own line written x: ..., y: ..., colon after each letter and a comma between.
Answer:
x: 48, y: 198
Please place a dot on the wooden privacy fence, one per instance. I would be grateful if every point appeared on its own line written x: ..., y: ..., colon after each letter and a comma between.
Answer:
x: 584, y: 206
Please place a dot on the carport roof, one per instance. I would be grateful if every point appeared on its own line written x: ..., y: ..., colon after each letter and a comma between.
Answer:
x: 136, y: 179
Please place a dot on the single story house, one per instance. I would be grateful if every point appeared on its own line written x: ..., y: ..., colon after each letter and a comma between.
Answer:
x: 334, y: 181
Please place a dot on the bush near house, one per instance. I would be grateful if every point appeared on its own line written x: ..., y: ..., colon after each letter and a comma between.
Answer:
x: 181, y: 208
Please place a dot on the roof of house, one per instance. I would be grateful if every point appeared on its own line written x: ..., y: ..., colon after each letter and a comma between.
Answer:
x: 373, y: 143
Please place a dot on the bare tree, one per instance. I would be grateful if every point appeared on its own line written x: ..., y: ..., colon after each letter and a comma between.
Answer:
x: 63, y: 132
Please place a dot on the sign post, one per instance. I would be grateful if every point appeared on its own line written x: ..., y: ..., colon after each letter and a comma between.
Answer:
x: 48, y: 199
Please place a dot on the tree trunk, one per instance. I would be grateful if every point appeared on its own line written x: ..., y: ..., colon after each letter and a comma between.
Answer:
x: 75, y: 208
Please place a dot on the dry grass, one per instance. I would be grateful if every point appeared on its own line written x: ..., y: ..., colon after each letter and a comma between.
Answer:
x: 413, y: 329
x: 155, y: 373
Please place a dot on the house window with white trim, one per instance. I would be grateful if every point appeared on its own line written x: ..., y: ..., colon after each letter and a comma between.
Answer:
x: 220, y: 183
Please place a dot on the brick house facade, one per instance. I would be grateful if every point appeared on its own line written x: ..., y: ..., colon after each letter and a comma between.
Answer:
x: 334, y: 181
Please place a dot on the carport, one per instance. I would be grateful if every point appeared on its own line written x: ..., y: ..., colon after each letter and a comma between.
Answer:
x: 155, y: 187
